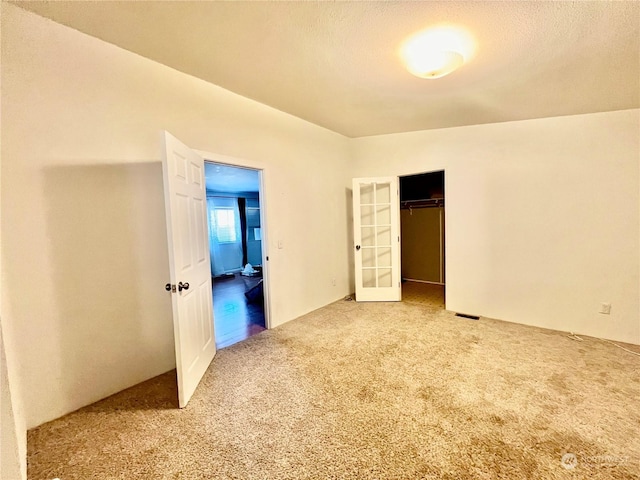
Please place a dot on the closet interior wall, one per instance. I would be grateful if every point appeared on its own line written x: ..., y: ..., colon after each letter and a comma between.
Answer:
x: 422, y: 227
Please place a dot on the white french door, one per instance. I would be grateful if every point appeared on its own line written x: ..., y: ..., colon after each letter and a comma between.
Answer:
x: 189, y: 265
x: 376, y: 235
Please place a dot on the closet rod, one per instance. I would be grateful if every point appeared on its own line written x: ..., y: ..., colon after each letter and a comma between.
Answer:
x: 425, y: 203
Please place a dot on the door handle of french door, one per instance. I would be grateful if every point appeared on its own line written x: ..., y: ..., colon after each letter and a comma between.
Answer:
x: 183, y: 286
x: 357, y: 247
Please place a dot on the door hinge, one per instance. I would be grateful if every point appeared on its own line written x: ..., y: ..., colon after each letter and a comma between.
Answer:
x: 170, y: 288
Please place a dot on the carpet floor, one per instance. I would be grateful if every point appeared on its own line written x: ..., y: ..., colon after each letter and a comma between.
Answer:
x: 369, y: 391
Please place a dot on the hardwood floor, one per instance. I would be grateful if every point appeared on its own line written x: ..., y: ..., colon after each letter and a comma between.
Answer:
x: 235, y: 318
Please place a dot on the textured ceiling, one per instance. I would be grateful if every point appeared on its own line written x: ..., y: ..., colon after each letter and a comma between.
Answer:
x: 336, y: 63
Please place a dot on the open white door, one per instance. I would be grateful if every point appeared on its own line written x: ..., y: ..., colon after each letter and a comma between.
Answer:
x: 190, y: 269
x: 376, y: 235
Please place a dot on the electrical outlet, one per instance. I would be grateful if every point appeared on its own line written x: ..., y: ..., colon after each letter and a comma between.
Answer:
x: 605, y: 308
x: 333, y: 282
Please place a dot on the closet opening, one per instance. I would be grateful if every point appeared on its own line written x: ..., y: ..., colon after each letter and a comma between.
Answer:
x: 235, y: 243
x: 422, y: 248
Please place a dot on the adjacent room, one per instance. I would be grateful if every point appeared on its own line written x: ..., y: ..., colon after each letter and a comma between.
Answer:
x: 300, y: 240
x: 235, y: 244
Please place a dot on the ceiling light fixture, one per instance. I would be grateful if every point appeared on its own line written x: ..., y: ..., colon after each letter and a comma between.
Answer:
x: 437, y: 51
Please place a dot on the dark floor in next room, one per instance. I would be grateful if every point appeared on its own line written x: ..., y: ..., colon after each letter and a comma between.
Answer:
x: 235, y: 317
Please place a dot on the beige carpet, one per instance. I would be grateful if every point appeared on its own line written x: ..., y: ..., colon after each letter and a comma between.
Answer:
x: 369, y: 391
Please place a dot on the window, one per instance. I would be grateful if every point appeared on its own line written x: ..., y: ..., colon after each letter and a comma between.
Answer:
x: 225, y: 224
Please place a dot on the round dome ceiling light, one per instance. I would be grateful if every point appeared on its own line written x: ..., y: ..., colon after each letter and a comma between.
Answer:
x: 437, y: 51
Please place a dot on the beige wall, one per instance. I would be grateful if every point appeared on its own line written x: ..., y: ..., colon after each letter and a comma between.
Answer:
x: 12, y: 441
x: 84, y: 241
x: 542, y: 216
x: 13, y: 444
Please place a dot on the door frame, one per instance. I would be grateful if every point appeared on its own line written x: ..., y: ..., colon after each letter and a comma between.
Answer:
x: 264, y: 229
x: 444, y: 220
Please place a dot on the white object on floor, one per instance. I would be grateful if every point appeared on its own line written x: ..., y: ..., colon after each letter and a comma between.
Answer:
x: 248, y: 270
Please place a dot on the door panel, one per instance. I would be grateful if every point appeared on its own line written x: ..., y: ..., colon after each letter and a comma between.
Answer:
x: 376, y: 236
x: 187, y: 230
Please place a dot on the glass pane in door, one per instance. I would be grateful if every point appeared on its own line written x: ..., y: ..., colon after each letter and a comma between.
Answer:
x: 368, y: 257
x: 368, y: 236
x: 383, y: 193
x: 383, y: 215
x: 384, y: 277
x: 367, y: 193
x: 383, y: 257
x: 375, y: 230
x: 367, y: 215
x: 369, y: 277
x: 383, y: 237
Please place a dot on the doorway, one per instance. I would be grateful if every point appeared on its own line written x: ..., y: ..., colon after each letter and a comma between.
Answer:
x: 422, y: 226
x: 235, y: 242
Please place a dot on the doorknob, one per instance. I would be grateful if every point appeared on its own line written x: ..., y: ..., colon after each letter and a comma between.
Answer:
x: 357, y: 247
x: 183, y: 286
